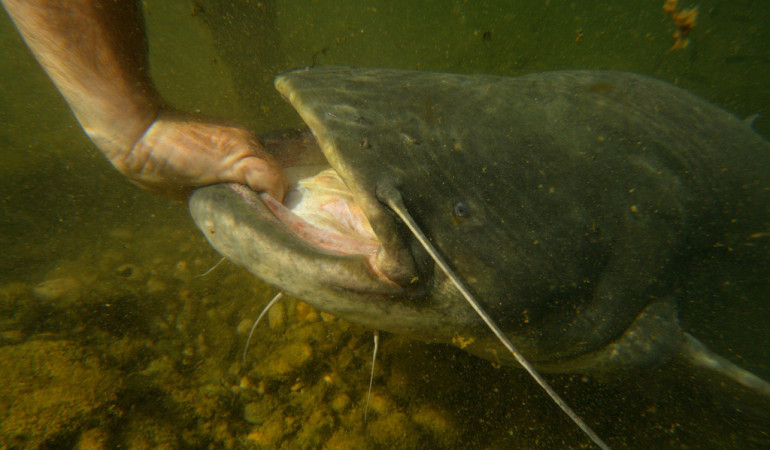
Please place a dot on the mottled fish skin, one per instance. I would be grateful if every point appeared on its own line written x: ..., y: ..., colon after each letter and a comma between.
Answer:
x: 569, y: 202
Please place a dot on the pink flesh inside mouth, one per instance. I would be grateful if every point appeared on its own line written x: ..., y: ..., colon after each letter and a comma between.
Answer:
x: 330, y: 222
x: 324, y: 239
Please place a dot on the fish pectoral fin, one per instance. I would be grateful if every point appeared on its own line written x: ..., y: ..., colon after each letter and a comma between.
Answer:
x: 751, y: 120
x: 740, y: 387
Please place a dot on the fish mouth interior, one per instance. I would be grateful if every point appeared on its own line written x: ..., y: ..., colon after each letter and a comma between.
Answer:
x: 322, y: 214
x: 319, y: 209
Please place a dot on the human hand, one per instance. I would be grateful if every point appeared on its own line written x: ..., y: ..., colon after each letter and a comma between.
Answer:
x: 181, y: 151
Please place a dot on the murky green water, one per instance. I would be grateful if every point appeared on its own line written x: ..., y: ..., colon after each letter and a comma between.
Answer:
x: 140, y: 352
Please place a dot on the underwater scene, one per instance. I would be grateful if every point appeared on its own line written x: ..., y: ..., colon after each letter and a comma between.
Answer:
x: 122, y: 327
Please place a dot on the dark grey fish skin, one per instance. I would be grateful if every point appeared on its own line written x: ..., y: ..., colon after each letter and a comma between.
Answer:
x: 570, y: 203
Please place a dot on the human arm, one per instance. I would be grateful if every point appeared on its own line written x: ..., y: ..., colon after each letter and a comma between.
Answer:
x: 95, y: 52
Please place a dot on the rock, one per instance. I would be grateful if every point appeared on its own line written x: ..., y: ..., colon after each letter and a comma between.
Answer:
x: 155, y: 286
x: 94, y: 438
x: 344, y: 439
x: 394, y: 430
x: 284, y: 361
x: 129, y: 271
x: 269, y: 435
x: 340, y: 403
x: 182, y: 272
x: 244, y: 326
x: 306, y: 313
x: 65, y: 290
x: 252, y: 413
x: 436, y: 422
x: 260, y: 411
x: 276, y: 316
x: 381, y: 404
x: 315, y: 429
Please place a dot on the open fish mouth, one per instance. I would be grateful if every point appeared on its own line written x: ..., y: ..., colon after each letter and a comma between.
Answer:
x: 320, y: 210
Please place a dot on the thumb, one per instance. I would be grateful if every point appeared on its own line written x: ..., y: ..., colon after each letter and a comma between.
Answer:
x: 262, y: 174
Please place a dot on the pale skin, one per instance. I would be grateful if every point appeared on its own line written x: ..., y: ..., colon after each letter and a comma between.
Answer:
x: 95, y: 52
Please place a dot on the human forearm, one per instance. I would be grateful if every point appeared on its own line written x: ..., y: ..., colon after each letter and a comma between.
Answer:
x: 95, y: 51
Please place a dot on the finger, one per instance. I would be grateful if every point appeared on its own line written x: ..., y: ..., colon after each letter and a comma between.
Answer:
x: 262, y: 175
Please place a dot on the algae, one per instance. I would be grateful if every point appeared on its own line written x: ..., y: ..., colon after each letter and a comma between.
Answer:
x: 50, y: 390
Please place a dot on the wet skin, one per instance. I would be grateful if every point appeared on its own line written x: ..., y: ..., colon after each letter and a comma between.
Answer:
x: 95, y: 52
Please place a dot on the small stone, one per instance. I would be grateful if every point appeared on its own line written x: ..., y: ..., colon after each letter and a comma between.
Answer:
x: 306, y: 313
x: 244, y: 327
x: 158, y: 366
x: 93, y: 438
x: 276, y: 316
x: 288, y: 359
x: 381, y: 404
x: 393, y: 430
x: 437, y: 423
x: 59, y: 289
x: 182, y: 272
x: 213, y: 390
x: 340, y: 403
x: 155, y: 286
x: 188, y: 352
x: 269, y: 434
x: 129, y: 271
x: 252, y: 413
x: 186, y: 295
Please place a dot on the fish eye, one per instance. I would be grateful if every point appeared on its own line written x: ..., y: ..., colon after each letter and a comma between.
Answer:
x: 461, y: 210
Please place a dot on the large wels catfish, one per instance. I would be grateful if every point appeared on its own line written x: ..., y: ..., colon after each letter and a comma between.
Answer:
x: 566, y: 203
